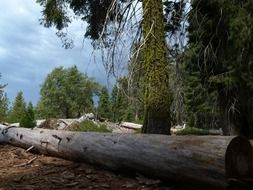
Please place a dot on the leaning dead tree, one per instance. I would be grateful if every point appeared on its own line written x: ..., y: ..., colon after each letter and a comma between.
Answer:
x: 199, y: 161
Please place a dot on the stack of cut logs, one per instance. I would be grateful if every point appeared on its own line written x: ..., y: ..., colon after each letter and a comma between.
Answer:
x: 207, y: 162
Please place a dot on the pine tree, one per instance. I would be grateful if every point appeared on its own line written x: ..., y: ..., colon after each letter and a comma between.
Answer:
x: 104, y: 107
x: 115, y: 104
x: 120, y: 106
x: 28, y: 120
x: 4, y: 103
x: 18, y: 108
x: 219, y: 61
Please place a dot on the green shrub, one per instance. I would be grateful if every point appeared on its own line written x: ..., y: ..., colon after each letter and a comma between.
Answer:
x: 89, y: 126
x: 193, y: 131
x: 139, y: 121
x: 27, y: 122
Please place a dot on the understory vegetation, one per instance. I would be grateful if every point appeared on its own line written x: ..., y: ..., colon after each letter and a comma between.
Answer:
x: 90, y: 126
x: 192, y: 131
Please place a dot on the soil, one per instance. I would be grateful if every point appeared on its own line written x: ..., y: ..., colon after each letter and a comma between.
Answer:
x: 23, y: 170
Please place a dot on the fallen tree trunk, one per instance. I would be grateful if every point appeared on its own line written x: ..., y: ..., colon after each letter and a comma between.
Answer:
x: 192, y: 160
x: 130, y: 125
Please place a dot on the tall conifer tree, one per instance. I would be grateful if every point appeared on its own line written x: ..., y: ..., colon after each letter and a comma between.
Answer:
x: 18, y: 108
x: 219, y: 64
x: 157, y: 96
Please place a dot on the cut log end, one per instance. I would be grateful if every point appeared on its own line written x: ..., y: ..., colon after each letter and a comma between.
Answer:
x: 239, y: 159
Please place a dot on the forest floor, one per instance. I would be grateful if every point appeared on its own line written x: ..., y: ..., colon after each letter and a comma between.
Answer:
x: 23, y: 170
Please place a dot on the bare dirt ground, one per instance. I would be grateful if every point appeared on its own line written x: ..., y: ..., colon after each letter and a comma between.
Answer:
x: 22, y: 170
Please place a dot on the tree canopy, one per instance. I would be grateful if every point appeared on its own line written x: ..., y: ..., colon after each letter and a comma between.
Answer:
x: 66, y: 93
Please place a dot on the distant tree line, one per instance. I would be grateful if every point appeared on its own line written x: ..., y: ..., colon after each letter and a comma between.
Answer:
x: 19, y: 111
x: 69, y: 93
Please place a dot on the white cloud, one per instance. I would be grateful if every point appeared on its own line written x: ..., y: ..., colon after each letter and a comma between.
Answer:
x: 3, y: 52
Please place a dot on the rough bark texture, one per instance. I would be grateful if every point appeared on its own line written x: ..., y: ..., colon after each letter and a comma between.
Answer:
x: 239, y: 164
x: 157, y: 96
x: 192, y: 160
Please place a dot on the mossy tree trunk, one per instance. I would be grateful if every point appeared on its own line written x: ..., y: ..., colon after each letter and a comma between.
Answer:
x: 157, y: 94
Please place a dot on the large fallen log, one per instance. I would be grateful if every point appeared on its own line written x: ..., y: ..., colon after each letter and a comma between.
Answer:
x: 192, y: 160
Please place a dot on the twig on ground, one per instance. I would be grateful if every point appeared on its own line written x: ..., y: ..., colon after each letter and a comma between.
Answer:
x: 27, y: 163
x: 30, y: 148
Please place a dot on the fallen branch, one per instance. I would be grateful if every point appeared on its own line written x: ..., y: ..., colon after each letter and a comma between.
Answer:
x: 30, y: 148
x: 27, y: 163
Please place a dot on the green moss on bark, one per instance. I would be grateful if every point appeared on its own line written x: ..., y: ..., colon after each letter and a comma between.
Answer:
x: 157, y: 94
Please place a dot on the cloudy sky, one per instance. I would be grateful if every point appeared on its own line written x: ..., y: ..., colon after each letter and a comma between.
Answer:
x: 28, y: 51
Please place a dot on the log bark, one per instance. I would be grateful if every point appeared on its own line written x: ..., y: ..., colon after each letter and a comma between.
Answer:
x: 192, y: 160
x: 239, y: 164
